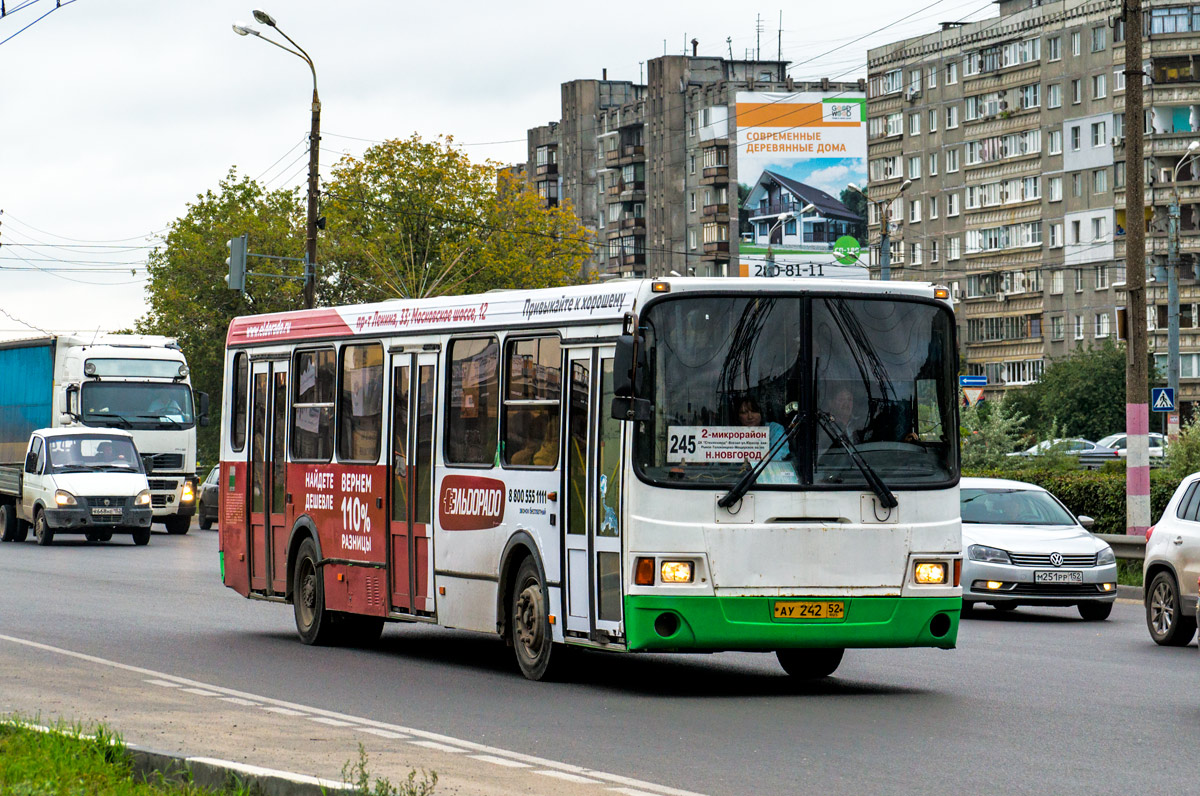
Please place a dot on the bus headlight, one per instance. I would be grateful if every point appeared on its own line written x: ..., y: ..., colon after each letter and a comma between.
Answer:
x: 188, y: 494
x: 63, y: 498
x: 675, y: 572
x: 930, y: 572
x: 143, y: 498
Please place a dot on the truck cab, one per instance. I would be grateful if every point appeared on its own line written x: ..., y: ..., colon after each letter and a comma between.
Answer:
x: 77, y: 481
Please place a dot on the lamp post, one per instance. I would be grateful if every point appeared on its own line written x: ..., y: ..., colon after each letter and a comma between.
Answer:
x: 885, y: 220
x: 1173, y: 287
x: 787, y: 215
x: 314, y: 138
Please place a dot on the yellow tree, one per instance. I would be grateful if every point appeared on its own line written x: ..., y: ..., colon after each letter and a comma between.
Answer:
x: 416, y: 218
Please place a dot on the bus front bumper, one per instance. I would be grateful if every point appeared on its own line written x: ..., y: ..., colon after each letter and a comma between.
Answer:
x: 712, y: 624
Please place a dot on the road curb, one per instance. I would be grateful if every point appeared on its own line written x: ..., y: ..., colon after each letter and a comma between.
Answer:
x: 1129, y: 593
x: 216, y: 774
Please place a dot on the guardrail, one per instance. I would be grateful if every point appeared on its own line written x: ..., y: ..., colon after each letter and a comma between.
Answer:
x: 1125, y: 546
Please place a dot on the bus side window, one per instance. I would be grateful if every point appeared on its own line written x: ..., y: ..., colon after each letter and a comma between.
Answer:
x: 313, y: 379
x: 533, y: 391
x: 472, y: 405
x: 360, y: 403
x: 241, y: 380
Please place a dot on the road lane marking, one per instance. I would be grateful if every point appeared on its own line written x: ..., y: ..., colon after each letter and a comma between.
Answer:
x: 204, y: 692
x: 500, y: 761
x: 441, y: 747
x: 331, y: 722
x: 163, y: 683
x: 250, y: 703
x: 245, y: 768
x: 382, y: 733
x: 563, y: 775
x: 294, y: 709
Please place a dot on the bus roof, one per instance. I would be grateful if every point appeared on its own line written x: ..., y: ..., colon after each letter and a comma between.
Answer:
x: 605, y: 302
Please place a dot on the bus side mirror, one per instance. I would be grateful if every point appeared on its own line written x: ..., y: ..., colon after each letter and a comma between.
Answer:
x: 72, y: 401
x: 629, y: 373
x: 202, y: 403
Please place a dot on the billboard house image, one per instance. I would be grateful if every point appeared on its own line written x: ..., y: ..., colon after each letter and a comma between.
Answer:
x: 797, y: 155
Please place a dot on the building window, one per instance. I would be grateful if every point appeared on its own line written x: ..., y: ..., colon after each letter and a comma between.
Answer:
x: 914, y: 253
x: 1099, y: 229
x: 933, y: 121
x: 692, y: 163
x: 531, y: 402
x: 1054, y: 189
x: 1101, y: 274
x: 914, y: 124
x: 360, y: 403
x: 1076, y: 44
x: 1101, y: 322
x: 1098, y: 134
x: 1054, y: 48
x: 1031, y: 96
x: 953, y: 249
x: 1076, y: 138
x: 1056, y: 327
x: 952, y: 160
x: 1100, y: 181
x: 1056, y: 242
x: 472, y: 411
x: 692, y: 201
x: 1099, y: 38
x: 951, y: 117
x: 1077, y: 271
x: 1077, y: 187
x: 314, y: 390
x: 1055, y: 142
x: 1076, y: 91
x: 933, y: 165
x: 1056, y: 277
x: 932, y: 81
x: 952, y: 204
x: 1054, y: 96
x: 1099, y: 86
x: 933, y: 207
x: 691, y: 238
x: 914, y: 211
x: 914, y: 168
x: 1078, y: 327
x: 895, y: 124
x: 933, y: 250
x: 951, y: 73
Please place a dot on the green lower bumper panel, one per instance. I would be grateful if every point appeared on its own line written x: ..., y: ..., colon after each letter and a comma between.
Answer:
x: 757, y: 623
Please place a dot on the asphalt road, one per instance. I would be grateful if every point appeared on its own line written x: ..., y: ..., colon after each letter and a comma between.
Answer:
x: 1036, y: 701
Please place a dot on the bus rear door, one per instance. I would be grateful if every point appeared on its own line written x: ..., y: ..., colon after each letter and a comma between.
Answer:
x: 592, y: 489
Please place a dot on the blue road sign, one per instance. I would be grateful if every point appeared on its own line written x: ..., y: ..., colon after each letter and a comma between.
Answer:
x: 972, y: 381
x: 1162, y: 399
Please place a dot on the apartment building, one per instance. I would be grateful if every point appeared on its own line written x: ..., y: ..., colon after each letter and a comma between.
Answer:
x: 652, y: 169
x: 1010, y: 130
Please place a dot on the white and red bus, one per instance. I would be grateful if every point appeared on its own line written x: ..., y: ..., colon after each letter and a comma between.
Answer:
x: 677, y: 464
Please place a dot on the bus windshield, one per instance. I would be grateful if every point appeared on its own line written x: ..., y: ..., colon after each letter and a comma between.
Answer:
x: 813, y: 379
x: 136, y: 405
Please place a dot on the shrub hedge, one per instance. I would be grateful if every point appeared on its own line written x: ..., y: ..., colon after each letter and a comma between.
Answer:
x: 1099, y: 495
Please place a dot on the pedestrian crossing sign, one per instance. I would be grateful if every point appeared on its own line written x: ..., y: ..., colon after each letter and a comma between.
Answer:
x: 1162, y: 399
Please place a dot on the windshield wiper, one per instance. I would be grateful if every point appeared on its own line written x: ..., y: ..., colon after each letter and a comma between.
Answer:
x: 835, y: 430
x: 121, y: 421
x: 162, y: 419
x: 747, y: 480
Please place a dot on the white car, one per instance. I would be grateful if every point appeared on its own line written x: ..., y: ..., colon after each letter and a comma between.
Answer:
x: 1172, y: 567
x: 1024, y: 547
x: 1158, y: 444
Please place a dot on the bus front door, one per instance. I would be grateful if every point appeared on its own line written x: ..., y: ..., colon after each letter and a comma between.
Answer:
x: 410, y: 537
x: 592, y: 489
x: 268, y: 481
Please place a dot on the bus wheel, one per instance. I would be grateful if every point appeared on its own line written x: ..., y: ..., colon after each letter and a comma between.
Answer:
x: 810, y: 664
x: 314, y: 623
x: 41, y: 530
x: 530, y: 623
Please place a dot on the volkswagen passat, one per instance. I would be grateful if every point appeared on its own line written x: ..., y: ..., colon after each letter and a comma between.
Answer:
x: 1023, y: 547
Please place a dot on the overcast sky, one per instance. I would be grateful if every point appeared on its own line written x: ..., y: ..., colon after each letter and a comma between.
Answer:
x: 114, y: 114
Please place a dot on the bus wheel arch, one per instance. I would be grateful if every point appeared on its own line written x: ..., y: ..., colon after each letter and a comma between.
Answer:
x: 301, y: 530
x: 519, y: 547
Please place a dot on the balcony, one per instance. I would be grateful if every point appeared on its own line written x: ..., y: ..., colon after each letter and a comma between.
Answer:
x: 627, y: 192
x: 637, y: 223
x: 714, y: 142
x: 714, y: 175
x: 716, y: 250
x: 769, y: 211
x: 626, y: 227
x: 546, y: 170
x: 719, y: 212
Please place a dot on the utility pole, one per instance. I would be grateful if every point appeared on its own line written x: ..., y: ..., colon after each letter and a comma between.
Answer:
x: 1137, y: 409
x: 310, y: 250
x: 885, y: 244
x: 1173, y: 293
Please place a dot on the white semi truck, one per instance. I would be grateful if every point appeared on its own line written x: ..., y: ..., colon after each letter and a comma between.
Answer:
x: 138, y: 383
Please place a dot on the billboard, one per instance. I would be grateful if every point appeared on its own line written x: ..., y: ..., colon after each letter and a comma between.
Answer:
x: 796, y: 155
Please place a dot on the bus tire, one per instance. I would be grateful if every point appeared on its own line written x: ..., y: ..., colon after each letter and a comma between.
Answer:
x: 531, y: 636
x: 41, y: 530
x: 810, y: 664
x: 8, y: 523
x: 315, y: 624
x: 177, y: 526
x: 141, y: 536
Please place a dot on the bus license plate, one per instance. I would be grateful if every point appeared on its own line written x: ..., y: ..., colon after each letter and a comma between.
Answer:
x: 1058, y: 577
x: 810, y: 609
x: 112, y: 511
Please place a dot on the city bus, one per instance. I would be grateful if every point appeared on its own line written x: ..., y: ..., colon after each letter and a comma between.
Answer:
x: 677, y: 465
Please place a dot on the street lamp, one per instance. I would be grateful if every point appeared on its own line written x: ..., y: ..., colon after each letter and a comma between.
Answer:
x: 885, y: 243
x: 314, y: 138
x: 1173, y: 285
x: 785, y: 216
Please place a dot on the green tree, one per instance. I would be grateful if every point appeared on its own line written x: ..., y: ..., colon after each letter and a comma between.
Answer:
x: 187, y: 294
x: 1084, y: 392
x: 856, y: 203
x: 416, y: 218
x: 990, y: 431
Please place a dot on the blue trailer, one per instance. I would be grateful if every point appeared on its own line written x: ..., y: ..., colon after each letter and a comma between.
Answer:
x: 26, y: 393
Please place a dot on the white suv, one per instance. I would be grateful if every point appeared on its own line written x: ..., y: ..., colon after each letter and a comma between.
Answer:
x: 1172, y: 567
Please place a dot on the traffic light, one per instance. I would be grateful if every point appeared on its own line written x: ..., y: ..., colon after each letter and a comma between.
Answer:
x: 236, y: 279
